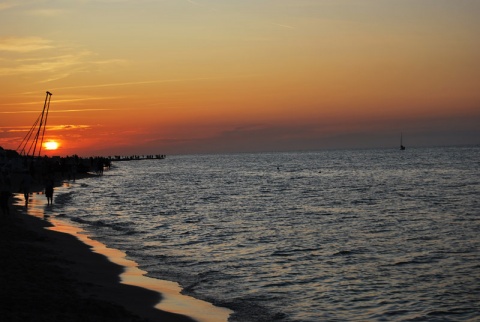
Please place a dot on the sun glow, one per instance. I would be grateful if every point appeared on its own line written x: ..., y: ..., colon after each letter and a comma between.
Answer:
x: 51, y: 145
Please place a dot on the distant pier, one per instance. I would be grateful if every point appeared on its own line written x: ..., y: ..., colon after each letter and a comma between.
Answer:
x: 138, y: 157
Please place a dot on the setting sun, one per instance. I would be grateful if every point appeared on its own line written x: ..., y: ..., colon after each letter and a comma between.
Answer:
x: 51, y: 145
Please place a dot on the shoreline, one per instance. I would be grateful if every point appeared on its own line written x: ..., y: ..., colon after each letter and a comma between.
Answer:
x: 49, y: 262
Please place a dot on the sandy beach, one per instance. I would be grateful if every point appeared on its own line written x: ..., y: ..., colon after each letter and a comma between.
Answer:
x: 50, y: 275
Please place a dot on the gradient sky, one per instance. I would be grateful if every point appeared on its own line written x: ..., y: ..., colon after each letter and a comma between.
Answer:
x: 203, y: 76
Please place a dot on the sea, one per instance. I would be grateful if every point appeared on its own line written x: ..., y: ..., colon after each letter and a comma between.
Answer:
x: 335, y: 235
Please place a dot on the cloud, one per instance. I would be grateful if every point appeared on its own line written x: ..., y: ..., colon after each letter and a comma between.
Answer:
x: 24, y: 44
x: 120, y: 84
x: 63, y: 127
x: 47, y: 12
x: 110, y: 61
x: 56, y: 61
x: 68, y: 127
x: 55, y: 66
x: 112, y: 1
x: 158, y: 81
x: 283, y: 26
x: 61, y: 111
x: 61, y: 65
x: 8, y: 4
x: 63, y: 101
x: 18, y: 112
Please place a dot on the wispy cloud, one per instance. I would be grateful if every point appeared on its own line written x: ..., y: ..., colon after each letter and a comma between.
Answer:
x: 110, y: 61
x: 52, y: 64
x: 284, y: 26
x: 72, y: 100
x: 121, y: 84
x: 63, y: 127
x: 56, y: 101
x: 24, y: 44
x: 47, y: 12
x: 54, y: 67
x: 175, y: 80
x: 68, y: 127
x: 8, y: 4
x: 56, y: 62
x: 18, y: 112
x: 85, y: 110
x: 112, y: 1
x: 60, y: 111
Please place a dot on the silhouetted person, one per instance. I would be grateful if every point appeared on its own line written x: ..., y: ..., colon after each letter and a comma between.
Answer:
x: 49, y: 191
x: 25, y: 186
x: 73, y: 172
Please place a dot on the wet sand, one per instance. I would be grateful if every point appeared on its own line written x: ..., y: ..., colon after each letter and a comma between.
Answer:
x: 51, y: 272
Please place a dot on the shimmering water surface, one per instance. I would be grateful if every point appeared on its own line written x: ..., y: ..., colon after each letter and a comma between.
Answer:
x: 363, y: 235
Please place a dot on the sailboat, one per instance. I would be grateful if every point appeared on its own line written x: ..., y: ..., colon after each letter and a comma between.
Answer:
x: 402, y: 147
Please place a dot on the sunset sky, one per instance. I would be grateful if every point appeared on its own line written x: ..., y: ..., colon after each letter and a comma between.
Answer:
x: 206, y: 76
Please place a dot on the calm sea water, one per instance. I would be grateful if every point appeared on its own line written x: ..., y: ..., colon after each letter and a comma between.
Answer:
x: 364, y: 235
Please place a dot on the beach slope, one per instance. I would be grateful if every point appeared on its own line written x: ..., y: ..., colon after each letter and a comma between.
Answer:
x: 52, y: 276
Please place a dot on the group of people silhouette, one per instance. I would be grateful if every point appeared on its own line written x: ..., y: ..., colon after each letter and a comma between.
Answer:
x: 25, y: 175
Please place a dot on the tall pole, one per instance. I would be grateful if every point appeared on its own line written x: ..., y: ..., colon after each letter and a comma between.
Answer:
x: 41, y: 122
x: 49, y: 95
x: 35, y: 143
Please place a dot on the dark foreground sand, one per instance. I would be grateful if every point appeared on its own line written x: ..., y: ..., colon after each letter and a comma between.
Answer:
x: 52, y: 276
x: 47, y: 275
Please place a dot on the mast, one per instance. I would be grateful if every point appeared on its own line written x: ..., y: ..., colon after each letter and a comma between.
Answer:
x: 38, y: 129
x: 49, y: 95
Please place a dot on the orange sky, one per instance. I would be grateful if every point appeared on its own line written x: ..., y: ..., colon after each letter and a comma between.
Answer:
x: 185, y: 76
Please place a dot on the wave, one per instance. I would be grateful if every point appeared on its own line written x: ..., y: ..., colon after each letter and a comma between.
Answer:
x: 361, y: 241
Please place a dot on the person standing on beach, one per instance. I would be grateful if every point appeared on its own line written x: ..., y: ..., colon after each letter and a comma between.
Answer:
x: 49, y: 190
x: 25, y: 186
